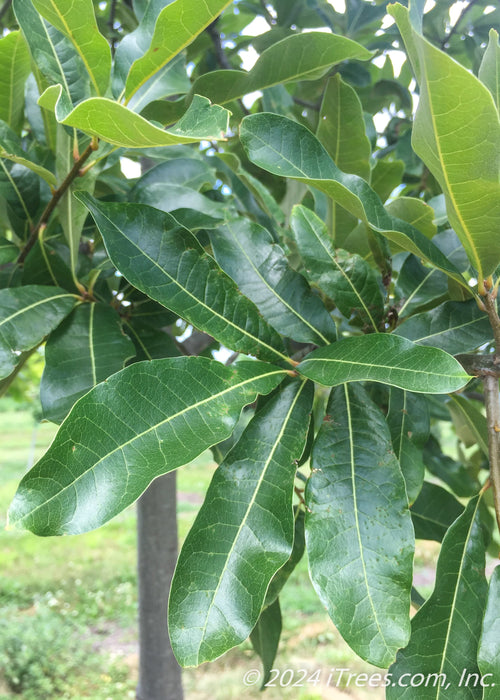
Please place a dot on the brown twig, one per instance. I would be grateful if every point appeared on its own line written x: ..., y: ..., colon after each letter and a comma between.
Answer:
x: 492, y: 403
x: 56, y: 197
x: 453, y: 30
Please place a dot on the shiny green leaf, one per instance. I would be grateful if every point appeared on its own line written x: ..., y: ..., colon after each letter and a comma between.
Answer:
x: 84, y: 350
x: 144, y: 421
x: 164, y: 260
x: 265, y: 638
x: 247, y: 253
x: 177, y: 25
x: 288, y: 149
x: 388, y: 359
x: 409, y: 425
x: 470, y: 423
x: 27, y: 315
x: 347, y: 279
x: 489, y: 645
x: 76, y: 20
x: 243, y: 532
x: 282, y: 575
x: 434, y: 511
x: 14, y: 69
x: 359, y: 535
x: 459, y: 141
x: 116, y: 124
x: 419, y: 285
x: 298, y: 57
x: 454, y: 326
x: 446, y: 629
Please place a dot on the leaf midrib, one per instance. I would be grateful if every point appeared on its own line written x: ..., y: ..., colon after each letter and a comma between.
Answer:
x: 248, y: 510
x: 145, y: 432
x: 198, y: 301
x: 356, y: 517
x: 273, y: 291
x: 376, y: 366
x: 455, y: 594
x: 34, y: 305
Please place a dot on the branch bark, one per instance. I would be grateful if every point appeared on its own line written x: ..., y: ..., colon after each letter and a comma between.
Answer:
x: 56, y: 197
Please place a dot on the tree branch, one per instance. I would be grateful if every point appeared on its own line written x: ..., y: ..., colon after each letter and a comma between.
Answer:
x: 453, y: 30
x: 221, y: 56
x: 56, y: 197
x: 492, y: 402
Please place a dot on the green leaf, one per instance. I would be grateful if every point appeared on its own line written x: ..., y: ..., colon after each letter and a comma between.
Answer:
x: 416, y: 212
x: 85, y: 349
x: 39, y: 170
x: 186, y: 172
x: 455, y: 474
x: 76, y: 20
x: 341, y: 128
x: 8, y: 251
x: 70, y: 211
x: 116, y: 124
x: 282, y: 575
x: 243, y: 532
x: 288, y: 149
x: 359, y: 535
x: 247, y: 253
x: 171, y: 80
x: 27, y: 315
x: 347, y: 279
x: 446, y: 629
x: 54, y: 56
x: 169, y: 265
x: 265, y: 638
x: 489, y: 646
x: 419, y: 286
x: 14, y: 69
x: 454, y: 326
x: 177, y: 25
x: 489, y: 70
x: 409, y: 425
x: 433, y: 512
x: 142, y: 422
x: 388, y: 359
x: 299, y: 57
x: 170, y: 197
x: 470, y: 423
x: 459, y: 141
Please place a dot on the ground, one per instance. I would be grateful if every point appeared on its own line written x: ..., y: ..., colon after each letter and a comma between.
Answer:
x: 68, y: 606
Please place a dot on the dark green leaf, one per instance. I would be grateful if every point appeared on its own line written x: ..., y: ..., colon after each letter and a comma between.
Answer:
x: 288, y: 149
x: 433, y: 512
x: 409, y: 425
x: 265, y: 638
x: 171, y: 267
x: 359, y: 536
x: 388, y: 359
x: 454, y: 326
x: 243, y: 533
x: 455, y: 474
x: 418, y: 285
x: 347, y: 279
x: 247, y: 253
x: 187, y: 172
x: 27, y: 315
x: 446, y: 629
x: 142, y: 422
x: 85, y: 349
x: 470, y: 423
x: 281, y: 577
x: 489, y: 645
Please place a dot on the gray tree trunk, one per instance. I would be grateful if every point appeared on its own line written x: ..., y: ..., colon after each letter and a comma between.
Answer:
x: 159, y: 672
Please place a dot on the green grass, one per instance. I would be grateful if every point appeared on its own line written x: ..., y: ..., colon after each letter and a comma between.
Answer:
x: 83, y: 589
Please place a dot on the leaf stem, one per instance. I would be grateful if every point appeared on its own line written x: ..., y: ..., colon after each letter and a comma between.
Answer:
x: 56, y: 196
